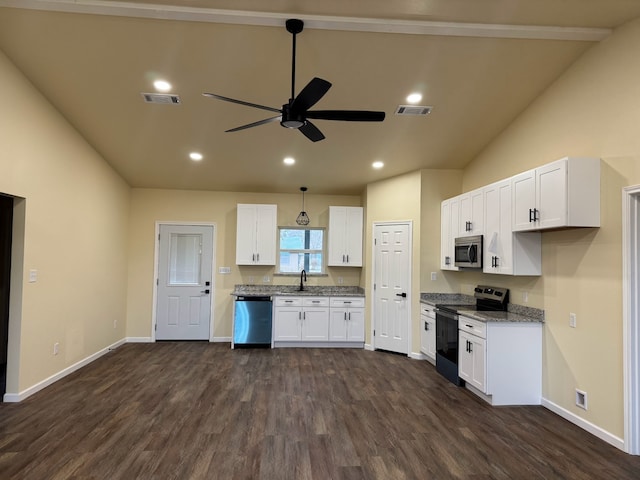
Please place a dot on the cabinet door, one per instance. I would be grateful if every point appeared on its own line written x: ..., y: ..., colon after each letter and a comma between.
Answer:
x: 551, y: 194
x: 315, y: 325
x: 472, y: 360
x: 431, y: 338
x: 498, y: 234
x: 448, y: 231
x: 353, y: 240
x: 338, y: 325
x: 523, y: 191
x: 266, y: 234
x: 288, y: 321
x: 246, y: 235
x: 471, y: 219
x: 355, y: 325
x: 345, y: 237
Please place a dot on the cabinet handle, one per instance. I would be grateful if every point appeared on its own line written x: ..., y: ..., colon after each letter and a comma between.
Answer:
x: 347, y: 258
x: 304, y: 315
x: 470, y: 347
x: 447, y: 260
x: 345, y: 315
x: 426, y: 326
x: 349, y: 315
x: 258, y: 257
x: 530, y: 215
x: 253, y: 257
x: 343, y: 258
x: 345, y: 302
x: 535, y: 215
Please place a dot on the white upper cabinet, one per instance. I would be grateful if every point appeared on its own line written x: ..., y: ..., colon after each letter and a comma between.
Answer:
x: 471, y: 221
x: 506, y: 252
x: 256, y: 234
x: 345, y: 236
x: 564, y: 193
x: 449, y: 223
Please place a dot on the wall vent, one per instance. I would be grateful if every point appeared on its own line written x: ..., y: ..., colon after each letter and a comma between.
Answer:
x: 164, y: 98
x: 413, y: 110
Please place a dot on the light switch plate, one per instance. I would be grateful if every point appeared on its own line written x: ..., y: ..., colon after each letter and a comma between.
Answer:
x: 224, y: 270
x: 33, y: 275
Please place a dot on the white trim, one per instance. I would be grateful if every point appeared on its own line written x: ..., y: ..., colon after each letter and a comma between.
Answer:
x: 320, y: 22
x: 409, y: 223
x: 369, y: 346
x: 156, y: 257
x: 584, y: 424
x: 417, y: 356
x: 631, y: 316
x: 221, y: 340
x: 140, y: 340
x: 18, y: 397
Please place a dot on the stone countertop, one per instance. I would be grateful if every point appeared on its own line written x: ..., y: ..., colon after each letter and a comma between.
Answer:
x: 292, y: 290
x: 515, y: 313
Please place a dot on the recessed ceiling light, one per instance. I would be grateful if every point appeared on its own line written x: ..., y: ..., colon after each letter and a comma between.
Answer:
x: 195, y: 156
x: 289, y: 161
x: 377, y: 165
x: 162, y: 85
x: 414, y: 98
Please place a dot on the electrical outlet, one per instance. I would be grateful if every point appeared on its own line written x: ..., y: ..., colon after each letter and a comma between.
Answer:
x: 252, y: 279
x: 340, y: 280
x: 266, y: 279
x: 525, y: 297
x: 115, y: 323
x: 572, y: 320
x: 434, y: 276
x: 581, y: 399
x: 56, y: 348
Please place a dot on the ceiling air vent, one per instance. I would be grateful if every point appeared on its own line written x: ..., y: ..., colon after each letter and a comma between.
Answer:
x: 413, y: 110
x: 164, y: 98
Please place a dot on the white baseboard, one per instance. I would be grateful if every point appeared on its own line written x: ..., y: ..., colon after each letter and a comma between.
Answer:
x: 139, y: 340
x: 417, y: 356
x: 368, y: 346
x: 584, y: 424
x: 18, y: 397
x: 222, y: 339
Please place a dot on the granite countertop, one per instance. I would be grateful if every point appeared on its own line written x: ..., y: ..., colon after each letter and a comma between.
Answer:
x: 515, y: 313
x: 292, y: 290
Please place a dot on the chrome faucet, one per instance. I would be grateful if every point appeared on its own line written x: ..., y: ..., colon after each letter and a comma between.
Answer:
x: 303, y: 273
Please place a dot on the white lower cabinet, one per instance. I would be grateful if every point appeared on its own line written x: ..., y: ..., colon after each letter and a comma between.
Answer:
x: 301, y: 319
x: 428, y: 332
x: 346, y: 319
x: 319, y: 321
x: 502, y: 361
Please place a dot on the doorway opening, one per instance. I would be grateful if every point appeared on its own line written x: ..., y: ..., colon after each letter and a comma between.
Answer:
x: 6, y: 234
x: 631, y: 316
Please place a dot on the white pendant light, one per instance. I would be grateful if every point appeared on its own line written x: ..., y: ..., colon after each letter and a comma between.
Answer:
x: 303, y: 218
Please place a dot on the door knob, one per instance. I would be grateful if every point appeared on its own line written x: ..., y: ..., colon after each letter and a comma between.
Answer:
x: 207, y: 291
x: 403, y: 295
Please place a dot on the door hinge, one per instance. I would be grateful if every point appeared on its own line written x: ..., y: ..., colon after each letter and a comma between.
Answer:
x: 158, y: 237
x: 157, y: 282
x: 156, y: 327
x: 375, y: 241
x: 374, y: 286
x: 374, y: 333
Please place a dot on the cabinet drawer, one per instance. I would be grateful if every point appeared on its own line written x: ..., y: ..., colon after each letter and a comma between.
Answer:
x: 347, y: 302
x: 288, y: 301
x: 315, y: 301
x: 427, y: 310
x: 474, y: 327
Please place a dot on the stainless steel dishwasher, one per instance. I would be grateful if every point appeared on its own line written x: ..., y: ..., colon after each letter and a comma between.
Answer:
x: 252, y: 321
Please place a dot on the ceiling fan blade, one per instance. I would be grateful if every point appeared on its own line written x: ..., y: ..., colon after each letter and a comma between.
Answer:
x: 311, y: 132
x: 255, y: 124
x: 346, y: 115
x: 310, y: 94
x: 233, y: 100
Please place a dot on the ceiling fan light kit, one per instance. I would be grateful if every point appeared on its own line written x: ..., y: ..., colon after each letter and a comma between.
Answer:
x: 295, y: 114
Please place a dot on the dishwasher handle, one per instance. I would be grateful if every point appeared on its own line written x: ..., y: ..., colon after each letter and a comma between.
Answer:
x: 251, y: 298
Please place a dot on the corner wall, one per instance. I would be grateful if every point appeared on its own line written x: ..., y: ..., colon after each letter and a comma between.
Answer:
x: 592, y: 110
x: 73, y: 211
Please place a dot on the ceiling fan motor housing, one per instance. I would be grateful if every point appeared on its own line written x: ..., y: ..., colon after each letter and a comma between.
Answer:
x: 290, y: 118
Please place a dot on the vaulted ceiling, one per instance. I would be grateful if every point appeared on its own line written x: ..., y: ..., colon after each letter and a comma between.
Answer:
x: 478, y: 64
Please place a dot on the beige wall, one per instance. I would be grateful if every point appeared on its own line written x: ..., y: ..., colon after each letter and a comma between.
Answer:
x: 395, y: 199
x: 592, y: 110
x: 74, y: 221
x: 149, y: 206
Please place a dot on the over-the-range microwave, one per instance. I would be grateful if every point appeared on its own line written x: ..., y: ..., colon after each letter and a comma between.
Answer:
x: 468, y: 252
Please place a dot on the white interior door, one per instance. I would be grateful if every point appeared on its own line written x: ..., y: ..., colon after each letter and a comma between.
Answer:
x: 185, y: 262
x: 392, y: 287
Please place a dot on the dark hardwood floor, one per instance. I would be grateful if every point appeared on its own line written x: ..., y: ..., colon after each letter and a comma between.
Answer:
x: 203, y: 411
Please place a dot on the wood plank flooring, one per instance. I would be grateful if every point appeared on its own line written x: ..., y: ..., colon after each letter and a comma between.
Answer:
x: 190, y: 410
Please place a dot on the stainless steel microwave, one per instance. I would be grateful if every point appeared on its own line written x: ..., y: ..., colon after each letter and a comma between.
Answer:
x: 468, y: 252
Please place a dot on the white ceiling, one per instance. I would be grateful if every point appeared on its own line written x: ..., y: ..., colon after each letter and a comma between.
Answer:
x: 478, y: 63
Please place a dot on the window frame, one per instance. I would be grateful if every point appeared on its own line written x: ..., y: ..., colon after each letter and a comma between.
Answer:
x: 322, y: 252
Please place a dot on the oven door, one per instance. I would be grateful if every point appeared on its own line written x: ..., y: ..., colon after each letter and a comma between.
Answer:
x: 447, y: 345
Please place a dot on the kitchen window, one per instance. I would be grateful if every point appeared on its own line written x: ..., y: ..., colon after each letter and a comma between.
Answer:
x: 301, y: 248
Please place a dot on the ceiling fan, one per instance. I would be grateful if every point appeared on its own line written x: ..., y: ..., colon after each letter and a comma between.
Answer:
x: 295, y: 113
